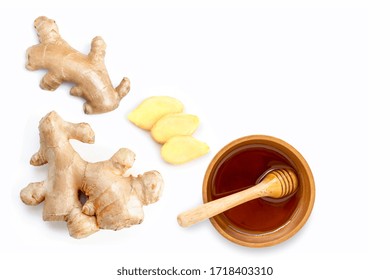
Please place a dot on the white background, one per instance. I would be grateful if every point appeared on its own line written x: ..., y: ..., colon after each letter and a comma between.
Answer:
x: 312, y: 75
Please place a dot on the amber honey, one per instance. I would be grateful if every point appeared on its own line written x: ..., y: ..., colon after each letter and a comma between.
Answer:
x: 240, y: 169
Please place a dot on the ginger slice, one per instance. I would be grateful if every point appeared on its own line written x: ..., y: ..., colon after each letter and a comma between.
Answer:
x: 174, y: 125
x: 154, y: 108
x: 181, y: 149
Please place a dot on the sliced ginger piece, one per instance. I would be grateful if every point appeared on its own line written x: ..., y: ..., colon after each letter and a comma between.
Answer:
x: 154, y: 108
x: 174, y: 125
x: 181, y: 149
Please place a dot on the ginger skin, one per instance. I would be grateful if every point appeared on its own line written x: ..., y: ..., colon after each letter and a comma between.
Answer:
x: 114, y: 201
x: 64, y: 63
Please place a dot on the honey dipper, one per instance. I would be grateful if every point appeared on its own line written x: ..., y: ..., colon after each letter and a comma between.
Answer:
x: 276, y: 184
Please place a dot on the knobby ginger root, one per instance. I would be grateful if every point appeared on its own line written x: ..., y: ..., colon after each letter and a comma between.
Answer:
x: 87, y: 72
x: 114, y: 201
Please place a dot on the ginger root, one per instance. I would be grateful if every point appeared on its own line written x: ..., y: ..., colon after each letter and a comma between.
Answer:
x: 113, y: 200
x: 64, y: 63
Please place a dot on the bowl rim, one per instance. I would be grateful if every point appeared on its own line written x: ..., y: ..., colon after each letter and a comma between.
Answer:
x: 239, y: 142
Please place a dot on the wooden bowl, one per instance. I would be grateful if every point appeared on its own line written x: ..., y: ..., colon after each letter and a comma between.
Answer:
x: 259, y: 223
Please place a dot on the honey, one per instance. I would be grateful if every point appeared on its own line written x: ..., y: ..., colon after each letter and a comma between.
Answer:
x: 241, y: 169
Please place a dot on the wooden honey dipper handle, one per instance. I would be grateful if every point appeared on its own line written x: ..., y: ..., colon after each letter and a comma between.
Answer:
x: 276, y: 184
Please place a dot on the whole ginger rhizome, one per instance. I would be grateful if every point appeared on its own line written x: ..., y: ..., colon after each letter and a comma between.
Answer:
x: 65, y: 64
x: 113, y: 200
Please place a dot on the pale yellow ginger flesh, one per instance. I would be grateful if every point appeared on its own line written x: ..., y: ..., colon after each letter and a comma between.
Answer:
x: 114, y: 201
x: 65, y: 64
x: 168, y: 125
x: 173, y: 125
x: 154, y: 108
x: 182, y: 149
